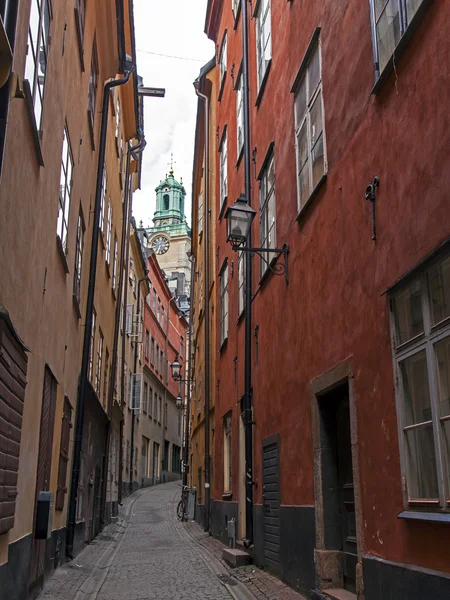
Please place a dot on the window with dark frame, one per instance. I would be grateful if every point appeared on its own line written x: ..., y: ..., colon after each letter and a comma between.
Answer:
x: 150, y: 402
x: 152, y: 352
x: 223, y: 170
x: 223, y: 59
x: 420, y: 322
x: 91, y: 349
x: 147, y: 344
x: 263, y: 39
x: 78, y: 258
x: 235, y: 7
x: 37, y: 57
x: 268, y: 236
x: 390, y: 19
x: 145, y: 398
x: 309, y: 128
x: 224, y: 304
x: 241, y: 282
x: 80, y: 12
x: 98, y: 370
x: 240, y: 113
x: 93, y: 82
x: 65, y: 191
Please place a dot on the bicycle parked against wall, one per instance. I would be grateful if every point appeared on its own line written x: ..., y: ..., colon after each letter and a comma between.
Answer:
x: 182, y: 507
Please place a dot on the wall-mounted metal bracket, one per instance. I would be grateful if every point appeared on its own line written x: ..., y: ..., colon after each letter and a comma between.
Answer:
x: 371, y: 196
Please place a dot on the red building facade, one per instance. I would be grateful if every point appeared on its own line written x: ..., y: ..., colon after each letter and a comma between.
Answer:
x: 349, y: 112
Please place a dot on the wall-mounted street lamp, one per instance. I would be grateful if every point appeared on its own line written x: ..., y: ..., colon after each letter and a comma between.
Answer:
x: 179, y: 401
x: 175, y: 367
x: 239, y: 218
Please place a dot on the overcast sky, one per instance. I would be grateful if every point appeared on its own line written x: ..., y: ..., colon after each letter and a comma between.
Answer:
x: 174, y: 28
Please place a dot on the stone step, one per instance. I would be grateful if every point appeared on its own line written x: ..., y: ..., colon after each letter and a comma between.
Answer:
x: 235, y: 557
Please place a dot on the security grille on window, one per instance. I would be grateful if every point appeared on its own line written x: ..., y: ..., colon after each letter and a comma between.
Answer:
x: 78, y: 258
x: 223, y: 59
x: 114, y: 274
x: 224, y: 304
x: 240, y: 114
x: 420, y: 320
x: 101, y: 223
x: 92, y: 91
x: 98, y: 372
x: 108, y: 233
x: 227, y: 454
x: 391, y: 19
x: 241, y: 282
x: 268, y: 210
x: 223, y: 170
x: 309, y: 128
x: 37, y: 57
x: 65, y: 191
x: 263, y: 39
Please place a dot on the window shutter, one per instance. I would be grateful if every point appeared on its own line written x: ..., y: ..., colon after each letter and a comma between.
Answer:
x: 64, y: 455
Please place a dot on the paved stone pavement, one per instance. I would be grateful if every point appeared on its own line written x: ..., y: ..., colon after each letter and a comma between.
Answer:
x: 261, y: 584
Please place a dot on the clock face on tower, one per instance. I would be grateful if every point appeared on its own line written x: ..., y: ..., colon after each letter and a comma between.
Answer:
x: 160, y: 244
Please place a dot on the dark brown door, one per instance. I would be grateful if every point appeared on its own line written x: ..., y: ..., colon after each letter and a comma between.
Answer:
x: 271, y: 503
x: 347, y: 495
x: 43, y: 470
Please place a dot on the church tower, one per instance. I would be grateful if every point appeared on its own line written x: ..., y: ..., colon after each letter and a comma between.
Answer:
x: 170, y: 236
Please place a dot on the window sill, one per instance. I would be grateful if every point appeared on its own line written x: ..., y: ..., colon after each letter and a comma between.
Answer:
x: 227, y: 496
x: 36, y: 133
x: 76, y: 305
x: 241, y: 154
x: 262, y: 87
x: 62, y: 254
x: 313, y: 194
x: 404, y: 40
x: 223, y: 345
x: 433, y: 517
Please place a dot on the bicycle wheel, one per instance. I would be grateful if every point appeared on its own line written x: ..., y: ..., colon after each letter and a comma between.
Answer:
x: 180, y: 510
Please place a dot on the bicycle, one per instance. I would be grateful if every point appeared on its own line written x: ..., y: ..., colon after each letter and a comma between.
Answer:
x: 183, y: 504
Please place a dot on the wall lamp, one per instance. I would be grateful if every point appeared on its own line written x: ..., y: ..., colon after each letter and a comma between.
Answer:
x: 239, y: 218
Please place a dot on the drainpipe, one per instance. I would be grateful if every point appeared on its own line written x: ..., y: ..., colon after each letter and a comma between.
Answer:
x: 83, y: 383
x: 206, y: 319
x: 133, y: 413
x: 248, y: 416
x: 189, y: 380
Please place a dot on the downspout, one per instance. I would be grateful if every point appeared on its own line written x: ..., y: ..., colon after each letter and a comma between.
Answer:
x: 248, y: 415
x: 189, y: 380
x: 207, y: 317
x: 133, y: 413
x: 82, y: 391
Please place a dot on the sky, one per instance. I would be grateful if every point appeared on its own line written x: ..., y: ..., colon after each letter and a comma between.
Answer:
x: 173, y: 28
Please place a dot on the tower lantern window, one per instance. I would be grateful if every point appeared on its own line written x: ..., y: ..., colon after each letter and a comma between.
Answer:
x: 166, y: 200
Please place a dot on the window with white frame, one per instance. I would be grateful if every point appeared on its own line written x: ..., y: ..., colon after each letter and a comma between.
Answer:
x: 391, y: 19
x: 224, y: 304
x: 268, y: 211
x: 223, y: 170
x: 235, y: 7
x: 98, y: 371
x: 420, y: 321
x: 223, y: 59
x: 78, y: 258
x: 227, y: 455
x: 115, y: 258
x: 200, y: 213
x: 241, y: 282
x: 263, y: 39
x: 117, y: 121
x: 37, y: 56
x: 108, y: 234
x: 101, y: 223
x: 65, y: 191
x: 309, y: 128
x: 240, y: 114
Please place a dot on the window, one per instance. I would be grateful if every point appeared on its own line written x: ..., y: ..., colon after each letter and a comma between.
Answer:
x: 240, y: 114
x: 105, y: 379
x: 98, y: 375
x: 101, y: 223
x: 160, y: 411
x: 241, y: 282
x: 166, y: 202
x: 80, y: 491
x: 181, y: 346
x: 165, y: 415
x: 268, y: 210
x: 223, y: 170
x: 152, y: 352
x: 157, y: 357
x: 150, y: 402
x: 130, y: 319
x: 223, y: 59
x: 224, y: 304
x: 154, y: 301
x: 390, y: 19
x: 108, y: 233
x: 155, y: 406
x: 235, y: 7
x: 158, y: 311
x: 37, y: 57
x: 80, y: 12
x: 91, y: 349
x: 309, y: 129
x: 78, y: 258
x: 200, y: 213
x: 65, y: 191
x: 92, y: 92
x: 263, y: 39
x: 227, y: 455
x: 163, y: 312
x: 420, y: 320
x: 147, y: 344
x: 114, y: 274
x: 117, y: 121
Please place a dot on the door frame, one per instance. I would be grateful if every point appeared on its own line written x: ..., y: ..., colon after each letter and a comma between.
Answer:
x: 328, y: 562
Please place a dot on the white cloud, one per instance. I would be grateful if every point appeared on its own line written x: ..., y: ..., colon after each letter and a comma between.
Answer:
x: 175, y: 28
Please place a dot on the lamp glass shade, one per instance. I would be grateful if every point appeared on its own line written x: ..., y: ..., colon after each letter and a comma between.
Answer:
x: 179, y: 401
x: 239, y: 218
x: 176, y: 368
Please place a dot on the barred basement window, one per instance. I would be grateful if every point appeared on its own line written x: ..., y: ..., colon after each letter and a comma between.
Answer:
x: 420, y: 321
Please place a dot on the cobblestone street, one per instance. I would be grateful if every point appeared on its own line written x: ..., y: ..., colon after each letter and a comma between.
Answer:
x: 149, y: 554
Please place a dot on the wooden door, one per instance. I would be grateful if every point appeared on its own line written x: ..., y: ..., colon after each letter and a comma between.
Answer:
x: 271, y: 503
x: 43, y: 471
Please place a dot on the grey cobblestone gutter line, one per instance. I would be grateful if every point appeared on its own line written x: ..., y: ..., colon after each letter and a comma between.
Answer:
x: 235, y: 588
